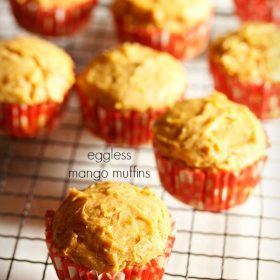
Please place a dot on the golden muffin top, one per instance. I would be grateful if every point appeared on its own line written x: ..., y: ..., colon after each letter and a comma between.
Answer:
x: 211, y: 133
x: 33, y: 71
x: 110, y: 226
x: 175, y: 16
x: 54, y: 3
x: 133, y: 77
x: 252, y: 53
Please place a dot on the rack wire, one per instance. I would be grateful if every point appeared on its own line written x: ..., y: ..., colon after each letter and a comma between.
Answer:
x: 243, y: 243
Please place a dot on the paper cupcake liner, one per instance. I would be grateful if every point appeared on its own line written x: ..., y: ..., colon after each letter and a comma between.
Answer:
x: 52, y: 21
x: 262, y: 98
x: 208, y: 190
x: 258, y: 10
x: 129, y: 128
x: 67, y: 270
x: 19, y: 120
x: 186, y: 45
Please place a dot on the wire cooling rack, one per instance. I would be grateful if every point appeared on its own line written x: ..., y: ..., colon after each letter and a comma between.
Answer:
x: 243, y: 243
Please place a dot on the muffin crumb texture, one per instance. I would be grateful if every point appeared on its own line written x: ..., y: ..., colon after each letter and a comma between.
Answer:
x: 34, y: 71
x: 110, y: 226
x: 175, y: 16
x: 211, y: 133
x: 252, y: 53
x: 134, y: 77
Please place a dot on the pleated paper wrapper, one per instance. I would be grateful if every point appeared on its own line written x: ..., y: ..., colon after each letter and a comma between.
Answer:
x: 67, y: 270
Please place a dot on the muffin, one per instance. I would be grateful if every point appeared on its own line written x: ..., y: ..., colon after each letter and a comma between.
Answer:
x: 52, y: 17
x: 210, y: 152
x: 246, y: 67
x: 124, y: 89
x: 110, y: 231
x: 258, y: 10
x: 35, y: 78
x: 181, y: 28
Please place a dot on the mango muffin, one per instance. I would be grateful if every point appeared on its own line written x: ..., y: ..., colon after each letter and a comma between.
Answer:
x: 180, y: 27
x: 35, y: 78
x: 246, y: 67
x: 52, y: 17
x: 258, y: 10
x: 110, y: 230
x: 124, y: 89
x: 210, y: 152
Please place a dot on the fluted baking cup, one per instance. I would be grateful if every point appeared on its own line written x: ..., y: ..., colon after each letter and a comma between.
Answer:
x: 24, y: 121
x: 205, y: 189
x: 263, y: 98
x: 129, y: 128
x: 56, y: 21
x: 258, y: 10
x: 67, y: 270
x: 185, y: 45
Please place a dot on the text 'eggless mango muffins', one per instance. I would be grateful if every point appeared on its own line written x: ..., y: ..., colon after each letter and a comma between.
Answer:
x: 52, y: 17
x: 210, y: 152
x: 246, y: 67
x: 35, y: 79
x: 180, y: 27
x: 124, y: 89
x: 110, y: 231
x: 258, y: 10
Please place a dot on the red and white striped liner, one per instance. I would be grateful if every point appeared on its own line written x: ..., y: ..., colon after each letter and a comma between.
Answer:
x: 205, y: 189
x: 129, y: 128
x: 67, y: 270
x: 183, y: 46
x: 258, y: 10
x: 55, y: 21
x: 262, y: 98
x: 24, y: 121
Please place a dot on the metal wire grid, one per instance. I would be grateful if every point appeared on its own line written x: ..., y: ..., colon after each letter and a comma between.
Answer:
x: 243, y: 243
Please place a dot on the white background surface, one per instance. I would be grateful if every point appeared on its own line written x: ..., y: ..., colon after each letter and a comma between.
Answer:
x: 243, y: 243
